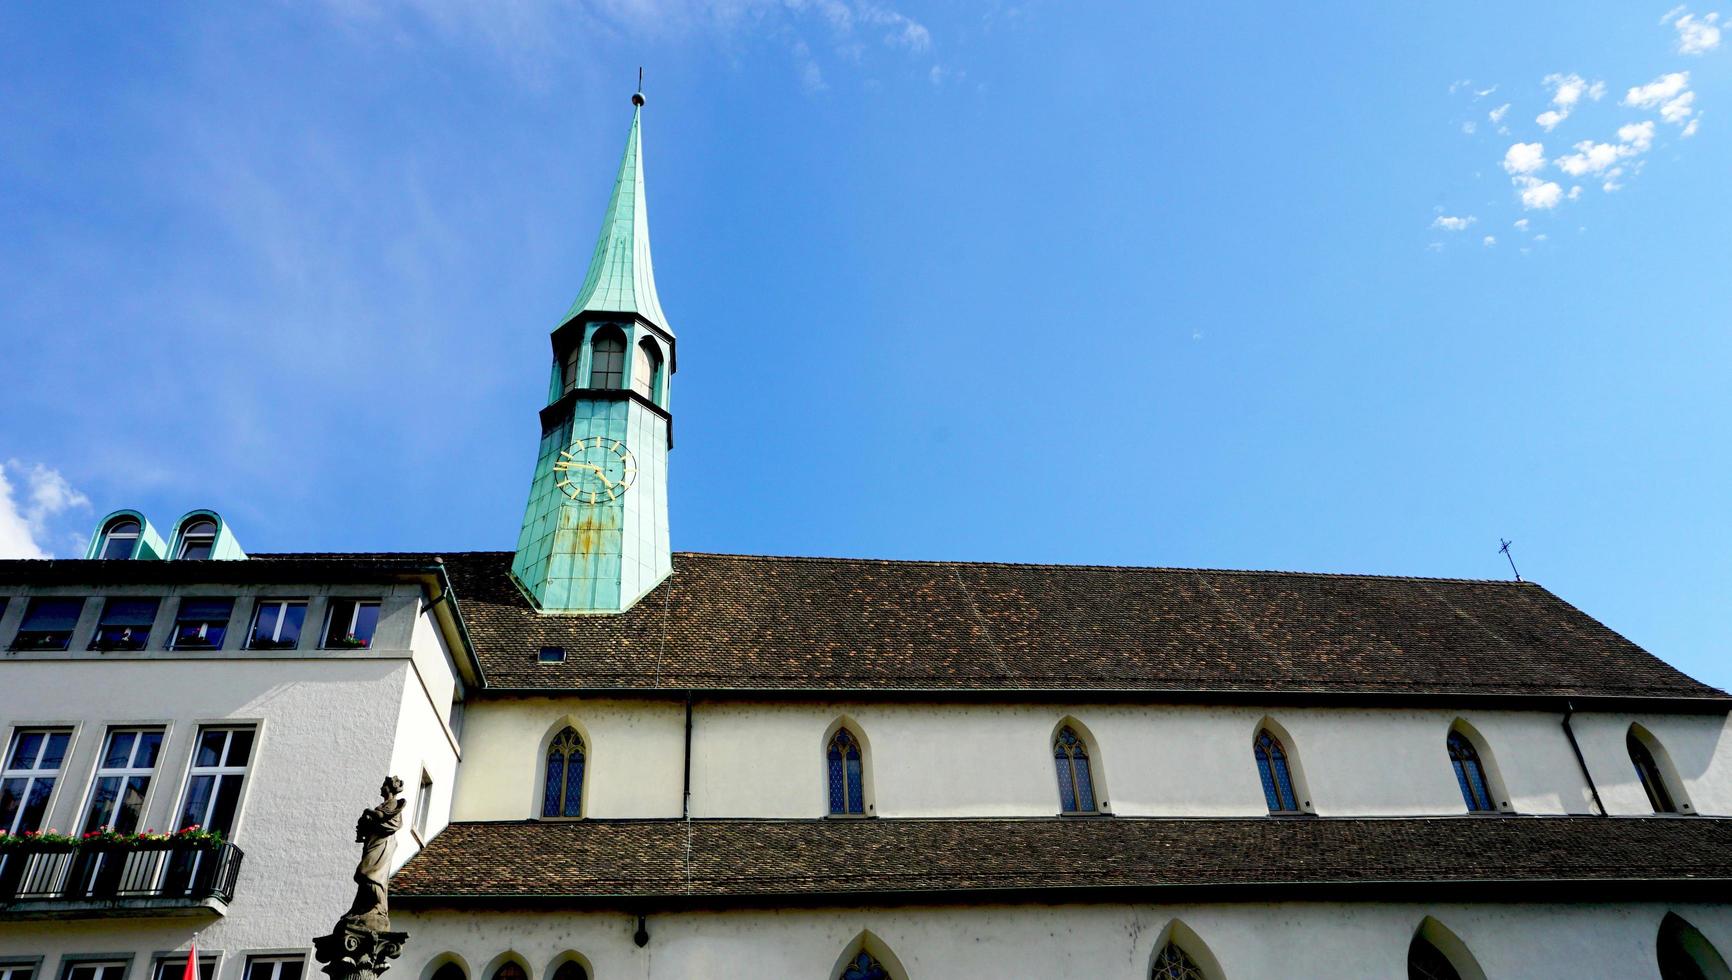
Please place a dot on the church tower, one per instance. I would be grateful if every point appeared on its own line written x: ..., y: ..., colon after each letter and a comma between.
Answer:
x: 595, y: 532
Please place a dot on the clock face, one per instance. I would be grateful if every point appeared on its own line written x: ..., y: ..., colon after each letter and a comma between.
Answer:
x: 595, y: 470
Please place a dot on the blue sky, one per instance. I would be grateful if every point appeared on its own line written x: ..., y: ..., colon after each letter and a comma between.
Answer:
x: 1295, y: 287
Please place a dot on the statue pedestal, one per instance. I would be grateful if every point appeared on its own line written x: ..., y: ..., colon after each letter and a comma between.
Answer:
x: 352, y: 952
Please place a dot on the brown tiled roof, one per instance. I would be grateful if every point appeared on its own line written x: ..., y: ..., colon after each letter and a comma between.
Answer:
x: 764, y: 624
x: 600, y: 860
x: 740, y: 622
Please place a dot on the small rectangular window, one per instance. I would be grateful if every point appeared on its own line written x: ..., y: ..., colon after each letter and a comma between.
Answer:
x: 275, y: 967
x: 48, y: 623
x: 122, y: 780
x: 351, y: 624
x: 17, y: 971
x: 95, y: 970
x: 277, y: 624
x: 200, y: 624
x: 32, y: 767
x: 125, y: 623
x: 214, y: 781
x: 423, y: 804
x: 552, y: 655
x: 174, y: 968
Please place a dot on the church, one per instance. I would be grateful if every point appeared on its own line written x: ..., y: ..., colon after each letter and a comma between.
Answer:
x: 624, y: 762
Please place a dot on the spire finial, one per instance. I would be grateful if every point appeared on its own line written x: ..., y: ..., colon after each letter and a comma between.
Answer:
x: 637, y: 97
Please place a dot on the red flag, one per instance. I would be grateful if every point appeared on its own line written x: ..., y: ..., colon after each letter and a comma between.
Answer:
x: 191, y: 964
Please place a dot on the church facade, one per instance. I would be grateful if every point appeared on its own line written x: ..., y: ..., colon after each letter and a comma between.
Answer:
x: 626, y: 762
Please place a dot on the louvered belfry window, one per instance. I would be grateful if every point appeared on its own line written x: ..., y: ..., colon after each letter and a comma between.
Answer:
x: 564, y: 793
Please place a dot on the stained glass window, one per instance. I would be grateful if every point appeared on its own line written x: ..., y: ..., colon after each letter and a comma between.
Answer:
x: 1277, y: 779
x: 1427, y: 962
x: 1470, y: 774
x: 1171, y: 963
x: 564, y: 788
x: 1076, y: 788
x: 847, y: 775
x: 864, y: 967
x: 1648, y: 771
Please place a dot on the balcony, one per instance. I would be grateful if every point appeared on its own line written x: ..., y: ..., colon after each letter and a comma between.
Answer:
x: 140, y: 878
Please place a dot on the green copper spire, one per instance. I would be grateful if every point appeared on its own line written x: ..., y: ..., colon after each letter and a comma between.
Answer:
x: 620, y: 277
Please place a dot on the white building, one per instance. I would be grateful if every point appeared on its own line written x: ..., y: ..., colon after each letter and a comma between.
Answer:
x: 627, y: 762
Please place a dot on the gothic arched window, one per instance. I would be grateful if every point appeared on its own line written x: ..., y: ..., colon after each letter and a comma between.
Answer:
x: 1642, y: 756
x: 1277, y: 776
x: 646, y: 371
x: 1426, y: 962
x: 1470, y: 774
x: 845, y: 765
x: 1686, y: 954
x: 510, y: 970
x: 1171, y: 963
x: 864, y: 967
x: 450, y: 971
x: 1076, y: 784
x: 607, y: 358
x: 571, y: 970
x: 564, y: 789
x: 120, y: 539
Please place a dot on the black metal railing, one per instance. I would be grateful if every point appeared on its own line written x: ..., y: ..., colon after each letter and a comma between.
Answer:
x: 189, y: 871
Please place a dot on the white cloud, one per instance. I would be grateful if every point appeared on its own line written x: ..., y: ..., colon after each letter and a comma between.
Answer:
x: 1469, y: 127
x: 1679, y: 109
x: 1697, y: 36
x: 1448, y: 223
x: 1537, y: 194
x: 903, y: 31
x: 1521, y: 224
x: 1490, y: 240
x: 811, y: 76
x: 24, y: 519
x: 1496, y: 115
x: 1524, y: 158
x: 1669, y: 93
x: 1690, y: 129
x: 1638, y: 135
x: 1567, y: 92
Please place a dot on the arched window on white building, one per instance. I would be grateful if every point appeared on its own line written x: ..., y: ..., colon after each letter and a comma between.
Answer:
x: 562, y: 794
x: 1438, y: 954
x: 1275, y: 770
x: 1685, y: 954
x: 845, y: 773
x: 1076, y: 781
x: 197, y: 539
x: 1173, y: 963
x: 1475, y: 770
x: 1654, y: 769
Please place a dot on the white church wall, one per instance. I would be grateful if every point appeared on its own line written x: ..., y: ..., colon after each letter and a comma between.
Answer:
x: 1698, y: 746
x: 1105, y: 941
x: 635, y: 757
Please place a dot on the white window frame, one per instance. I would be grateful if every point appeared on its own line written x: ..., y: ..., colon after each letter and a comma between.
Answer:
x: 32, y: 775
x: 124, y: 773
x: 275, y: 962
x: 355, y: 605
x: 110, y: 969
x: 206, y: 538
x: 112, y: 535
x: 194, y: 770
x: 281, y: 604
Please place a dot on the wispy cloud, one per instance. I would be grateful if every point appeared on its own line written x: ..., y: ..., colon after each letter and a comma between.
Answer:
x: 1444, y: 222
x: 27, y: 510
x: 1670, y: 94
x: 1696, y: 35
x: 1567, y: 91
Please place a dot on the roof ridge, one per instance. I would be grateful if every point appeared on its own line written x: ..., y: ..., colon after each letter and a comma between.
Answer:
x: 948, y: 563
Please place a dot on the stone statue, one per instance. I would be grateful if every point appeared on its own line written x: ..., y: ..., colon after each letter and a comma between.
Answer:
x: 362, y: 944
x: 376, y: 832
